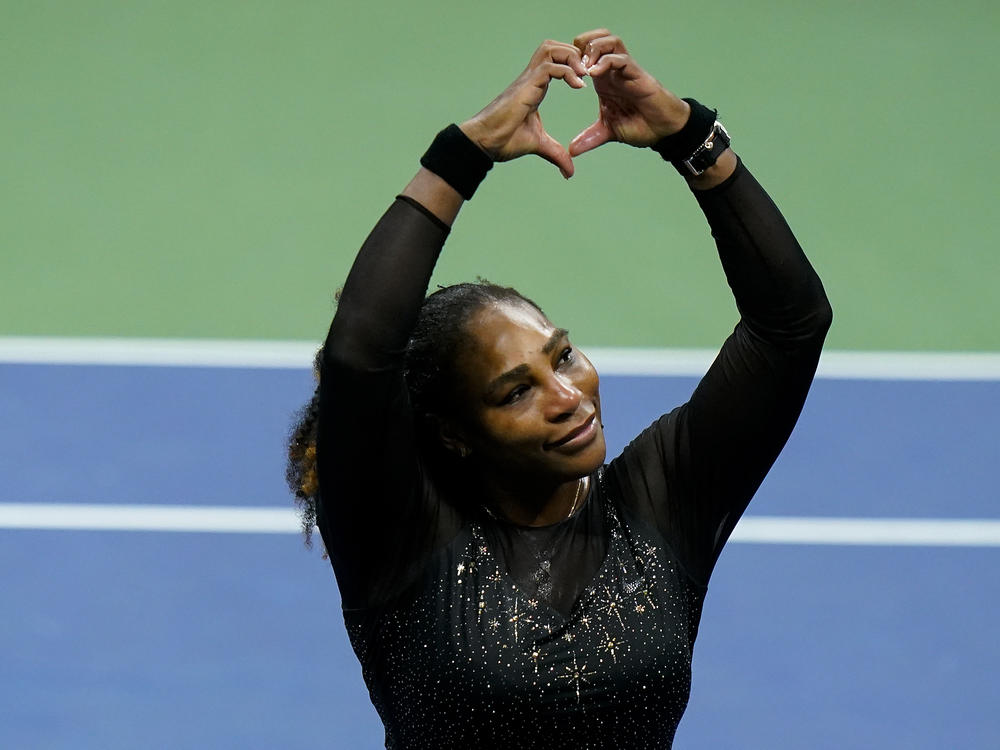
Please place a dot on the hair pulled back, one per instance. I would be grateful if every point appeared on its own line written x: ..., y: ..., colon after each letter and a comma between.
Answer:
x: 430, y: 372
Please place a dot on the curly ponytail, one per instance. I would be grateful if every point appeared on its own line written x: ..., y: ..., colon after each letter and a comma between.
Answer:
x: 300, y: 471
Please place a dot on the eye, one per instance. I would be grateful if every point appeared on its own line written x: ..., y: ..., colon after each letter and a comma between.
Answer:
x: 566, y: 356
x: 515, y: 394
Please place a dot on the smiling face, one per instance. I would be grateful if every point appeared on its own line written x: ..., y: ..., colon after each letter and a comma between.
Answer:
x: 531, y: 409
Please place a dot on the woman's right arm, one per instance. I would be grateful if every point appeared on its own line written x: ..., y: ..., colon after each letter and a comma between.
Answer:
x: 375, y: 513
x: 365, y: 445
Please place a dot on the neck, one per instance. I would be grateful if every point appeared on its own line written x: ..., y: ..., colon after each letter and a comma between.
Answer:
x: 540, y: 505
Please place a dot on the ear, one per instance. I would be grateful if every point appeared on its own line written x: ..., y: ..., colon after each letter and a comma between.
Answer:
x: 452, y: 437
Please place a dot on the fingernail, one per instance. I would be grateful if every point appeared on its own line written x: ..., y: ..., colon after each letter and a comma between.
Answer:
x: 586, y: 61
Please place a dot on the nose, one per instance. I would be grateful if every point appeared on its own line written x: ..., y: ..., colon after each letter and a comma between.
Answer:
x: 564, y: 399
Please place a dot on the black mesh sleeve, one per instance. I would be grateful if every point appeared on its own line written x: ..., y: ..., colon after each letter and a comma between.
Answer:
x: 695, y: 470
x: 376, y: 514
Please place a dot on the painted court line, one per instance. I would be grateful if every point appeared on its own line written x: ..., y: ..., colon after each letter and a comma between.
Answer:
x: 609, y: 360
x: 932, y: 532
x: 215, y: 519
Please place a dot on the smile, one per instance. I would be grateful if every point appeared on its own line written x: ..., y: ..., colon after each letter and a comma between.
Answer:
x: 578, y: 437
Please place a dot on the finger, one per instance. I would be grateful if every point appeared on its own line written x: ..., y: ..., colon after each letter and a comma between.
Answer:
x: 552, y: 151
x: 569, y: 55
x: 551, y: 70
x: 582, y: 40
x: 612, y: 62
x: 602, y: 45
x: 605, y: 45
x: 596, y: 135
x: 559, y: 52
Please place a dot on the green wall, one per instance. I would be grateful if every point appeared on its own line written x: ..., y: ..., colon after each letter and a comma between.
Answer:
x: 209, y: 168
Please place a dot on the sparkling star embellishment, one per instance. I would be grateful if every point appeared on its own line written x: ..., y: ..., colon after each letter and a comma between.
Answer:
x: 649, y: 598
x: 611, y: 645
x: 612, y: 605
x: 461, y: 568
x: 535, y: 656
x: 518, y: 618
x: 575, y: 675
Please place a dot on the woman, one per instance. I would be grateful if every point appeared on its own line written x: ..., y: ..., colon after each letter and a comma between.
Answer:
x: 502, y: 585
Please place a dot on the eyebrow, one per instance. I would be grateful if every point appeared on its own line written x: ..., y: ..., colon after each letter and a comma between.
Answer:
x: 513, y: 374
x: 521, y: 370
x: 558, y: 335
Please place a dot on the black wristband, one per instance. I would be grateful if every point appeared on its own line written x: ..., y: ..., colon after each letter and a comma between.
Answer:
x: 457, y: 160
x: 685, y: 141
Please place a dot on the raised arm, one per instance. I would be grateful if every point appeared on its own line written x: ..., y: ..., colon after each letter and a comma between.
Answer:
x: 377, y: 511
x: 365, y: 443
x: 728, y: 435
x: 713, y: 452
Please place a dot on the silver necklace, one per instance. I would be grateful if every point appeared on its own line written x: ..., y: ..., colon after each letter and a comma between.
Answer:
x: 576, y: 498
x: 580, y: 484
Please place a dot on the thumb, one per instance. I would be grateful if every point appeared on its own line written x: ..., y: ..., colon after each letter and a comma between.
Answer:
x: 596, y: 135
x: 552, y: 151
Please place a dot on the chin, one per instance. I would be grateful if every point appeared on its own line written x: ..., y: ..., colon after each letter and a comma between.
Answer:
x: 593, y: 458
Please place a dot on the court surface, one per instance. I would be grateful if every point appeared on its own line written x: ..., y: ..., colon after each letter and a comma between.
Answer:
x: 130, y: 638
x: 208, y: 170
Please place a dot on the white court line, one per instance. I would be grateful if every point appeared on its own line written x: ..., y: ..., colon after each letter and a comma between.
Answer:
x: 609, y: 360
x: 211, y: 518
x: 933, y: 532
x: 156, y: 352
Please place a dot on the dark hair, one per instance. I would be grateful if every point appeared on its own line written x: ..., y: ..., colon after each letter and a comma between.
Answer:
x: 431, y: 377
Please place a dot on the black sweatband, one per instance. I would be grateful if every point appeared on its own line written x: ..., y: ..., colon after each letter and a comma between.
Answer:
x: 684, y: 142
x: 457, y: 160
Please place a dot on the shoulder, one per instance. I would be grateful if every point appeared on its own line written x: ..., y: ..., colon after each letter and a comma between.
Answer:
x: 643, y: 470
x: 653, y: 447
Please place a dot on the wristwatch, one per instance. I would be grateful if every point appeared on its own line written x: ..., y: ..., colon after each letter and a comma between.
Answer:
x: 706, y: 154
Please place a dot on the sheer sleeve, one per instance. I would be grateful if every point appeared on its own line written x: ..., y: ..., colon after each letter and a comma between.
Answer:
x: 693, y: 472
x: 377, y: 514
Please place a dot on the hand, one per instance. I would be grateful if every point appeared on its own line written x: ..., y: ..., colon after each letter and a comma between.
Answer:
x: 634, y: 107
x: 510, y: 125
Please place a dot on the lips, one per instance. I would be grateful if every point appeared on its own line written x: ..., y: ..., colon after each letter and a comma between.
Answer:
x: 579, y: 435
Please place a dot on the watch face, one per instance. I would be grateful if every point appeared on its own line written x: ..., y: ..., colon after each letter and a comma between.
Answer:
x: 721, y: 133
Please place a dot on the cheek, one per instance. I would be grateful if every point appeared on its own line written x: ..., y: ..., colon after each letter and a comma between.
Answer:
x: 498, y: 434
x: 590, y: 385
x: 590, y: 382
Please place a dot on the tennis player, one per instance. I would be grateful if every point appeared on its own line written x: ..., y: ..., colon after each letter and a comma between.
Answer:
x: 504, y: 585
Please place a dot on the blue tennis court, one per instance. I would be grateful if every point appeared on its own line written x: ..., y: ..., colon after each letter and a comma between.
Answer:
x: 187, y: 169
x: 123, y: 639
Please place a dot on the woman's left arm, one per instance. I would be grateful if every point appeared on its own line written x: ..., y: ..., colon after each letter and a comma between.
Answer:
x: 719, y: 446
x: 743, y: 410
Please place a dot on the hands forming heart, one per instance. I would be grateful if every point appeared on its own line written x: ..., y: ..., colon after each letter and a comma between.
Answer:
x: 633, y: 107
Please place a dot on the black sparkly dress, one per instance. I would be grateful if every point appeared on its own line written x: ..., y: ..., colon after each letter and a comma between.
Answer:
x: 474, y: 632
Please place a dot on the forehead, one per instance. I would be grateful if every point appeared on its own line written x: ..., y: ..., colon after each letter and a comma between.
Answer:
x: 505, y: 334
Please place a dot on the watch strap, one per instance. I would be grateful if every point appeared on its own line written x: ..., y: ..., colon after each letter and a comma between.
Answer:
x: 706, y: 154
x: 682, y: 144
